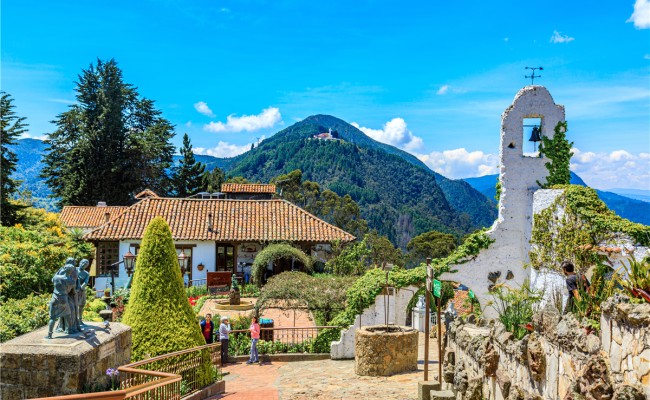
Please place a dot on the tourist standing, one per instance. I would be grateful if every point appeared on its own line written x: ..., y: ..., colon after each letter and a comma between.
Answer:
x: 224, y: 330
x: 207, y: 328
x: 572, y: 284
x: 255, y: 337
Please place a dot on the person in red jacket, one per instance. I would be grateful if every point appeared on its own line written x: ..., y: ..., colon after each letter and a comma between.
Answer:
x: 207, y: 328
x: 255, y: 337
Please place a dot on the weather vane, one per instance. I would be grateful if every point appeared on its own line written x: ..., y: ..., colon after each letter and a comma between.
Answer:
x: 533, y: 76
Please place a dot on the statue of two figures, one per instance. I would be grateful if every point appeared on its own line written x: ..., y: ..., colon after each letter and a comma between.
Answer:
x: 69, y: 297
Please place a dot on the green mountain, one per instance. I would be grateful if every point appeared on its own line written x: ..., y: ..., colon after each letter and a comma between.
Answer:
x: 633, y: 209
x: 398, y: 195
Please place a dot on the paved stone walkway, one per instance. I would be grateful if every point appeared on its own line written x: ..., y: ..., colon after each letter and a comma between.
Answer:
x: 323, y: 379
x: 281, y: 318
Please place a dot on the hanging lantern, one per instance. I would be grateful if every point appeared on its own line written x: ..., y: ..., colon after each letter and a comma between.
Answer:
x: 182, y: 262
x: 129, y: 263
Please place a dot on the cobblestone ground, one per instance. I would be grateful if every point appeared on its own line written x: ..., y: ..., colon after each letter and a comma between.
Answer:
x: 323, y: 379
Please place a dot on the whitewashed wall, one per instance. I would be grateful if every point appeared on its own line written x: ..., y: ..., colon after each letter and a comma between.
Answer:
x: 519, y: 175
x: 375, y: 315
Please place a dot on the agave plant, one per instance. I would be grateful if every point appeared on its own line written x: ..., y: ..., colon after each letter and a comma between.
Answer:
x: 638, y: 278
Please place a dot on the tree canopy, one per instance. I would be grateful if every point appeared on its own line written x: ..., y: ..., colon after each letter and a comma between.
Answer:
x: 11, y: 127
x: 274, y: 252
x: 187, y: 177
x: 110, y: 145
x: 431, y: 244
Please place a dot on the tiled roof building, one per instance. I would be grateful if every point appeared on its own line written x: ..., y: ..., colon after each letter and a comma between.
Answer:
x: 222, y: 221
x: 86, y: 217
x: 247, y: 188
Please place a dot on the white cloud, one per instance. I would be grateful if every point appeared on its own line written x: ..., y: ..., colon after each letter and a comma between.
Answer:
x: 443, y: 89
x: 395, y: 133
x: 28, y: 135
x: 559, y: 38
x: 223, y: 149
x: 268, y: 118
x: 203, y: 108
x: 188, y: 124
x: 618, y: 168
x: 460, y: 163
x: 641, y: 15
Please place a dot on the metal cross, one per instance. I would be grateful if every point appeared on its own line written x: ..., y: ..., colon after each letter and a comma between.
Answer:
x: 533, y: 76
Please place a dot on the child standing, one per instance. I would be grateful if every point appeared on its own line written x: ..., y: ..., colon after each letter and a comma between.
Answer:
x: 255, y: 337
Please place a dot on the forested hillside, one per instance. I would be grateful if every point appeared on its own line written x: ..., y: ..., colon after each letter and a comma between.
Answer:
x: 398, y: 195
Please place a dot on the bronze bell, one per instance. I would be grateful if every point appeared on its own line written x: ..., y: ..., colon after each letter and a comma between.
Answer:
x: 535, y: 136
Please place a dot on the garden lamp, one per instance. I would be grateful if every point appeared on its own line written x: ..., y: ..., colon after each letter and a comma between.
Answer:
x: 129, y: 263
x: 182, y: 262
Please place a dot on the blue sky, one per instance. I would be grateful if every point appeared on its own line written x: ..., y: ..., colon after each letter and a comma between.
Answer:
x: 430, y: 77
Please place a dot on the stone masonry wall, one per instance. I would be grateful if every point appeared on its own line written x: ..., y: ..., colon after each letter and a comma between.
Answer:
x: 31, y: 366
x: 556, y: 361
x: 382, y: 353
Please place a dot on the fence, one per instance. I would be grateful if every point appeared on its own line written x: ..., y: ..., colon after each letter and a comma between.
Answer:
x: 169, y: 376
x: 292, y: 336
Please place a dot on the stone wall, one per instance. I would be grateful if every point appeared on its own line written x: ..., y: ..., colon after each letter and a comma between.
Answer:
x: 559, y: 360
x: 32, y: 366
x: 385, y: 351
x: 625, y: 336
x: 396, y: 308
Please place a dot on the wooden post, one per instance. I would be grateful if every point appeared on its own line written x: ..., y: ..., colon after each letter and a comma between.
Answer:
x: 439, y: 344
x: 427, y: 320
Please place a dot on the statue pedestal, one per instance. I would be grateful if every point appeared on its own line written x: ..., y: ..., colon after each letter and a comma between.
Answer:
x: 32, y: 366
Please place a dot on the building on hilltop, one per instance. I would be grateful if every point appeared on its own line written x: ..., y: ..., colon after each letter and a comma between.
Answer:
x: 330, y: 135
x: 214, y: 234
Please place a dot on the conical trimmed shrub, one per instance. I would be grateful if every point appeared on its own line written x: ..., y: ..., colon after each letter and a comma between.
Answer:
x: 161, y: 318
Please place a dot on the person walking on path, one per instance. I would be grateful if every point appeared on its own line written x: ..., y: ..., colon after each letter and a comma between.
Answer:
x: 224, y: 330
x: 255, y: 337
x: 207, y: 328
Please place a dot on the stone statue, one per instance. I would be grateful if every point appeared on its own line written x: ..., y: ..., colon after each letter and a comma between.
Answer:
x: 234, y: 296
x: 233, y: 285
x: 60, y: 303
x: 450, y: 315
x: 83, y: 277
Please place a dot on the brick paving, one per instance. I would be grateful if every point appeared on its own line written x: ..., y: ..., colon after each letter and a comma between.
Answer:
x: 322, y: 379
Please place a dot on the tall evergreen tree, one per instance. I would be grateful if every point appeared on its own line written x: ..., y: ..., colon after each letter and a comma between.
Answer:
x: 212, y: 180
x: 110, y: 145
x: 187, y: 177
x: 11, y: 127
x: 558, y: 151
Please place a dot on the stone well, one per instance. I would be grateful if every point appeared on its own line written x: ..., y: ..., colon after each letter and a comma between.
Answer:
x: 382, y: 350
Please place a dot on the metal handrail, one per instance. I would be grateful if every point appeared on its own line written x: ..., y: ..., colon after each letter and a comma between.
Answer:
x: 160, y: 382
x: 285, y: 328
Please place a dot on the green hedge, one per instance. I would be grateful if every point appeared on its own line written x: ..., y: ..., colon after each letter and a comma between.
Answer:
x: 274, y: 252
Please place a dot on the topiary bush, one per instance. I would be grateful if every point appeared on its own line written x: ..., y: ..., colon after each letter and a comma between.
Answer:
x: 161, y: 318
x: 274, y: 252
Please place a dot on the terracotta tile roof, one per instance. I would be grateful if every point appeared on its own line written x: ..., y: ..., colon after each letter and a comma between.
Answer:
x: 247, y: 188
x: 601, y: 249
x: 461, y: 302
x: 146, y: 193
x: 232, y: 220
x: 88, y: 216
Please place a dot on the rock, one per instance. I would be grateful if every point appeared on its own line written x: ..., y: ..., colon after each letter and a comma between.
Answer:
x: 460, y: 377
x: 510, y: 275
x: 515, y: 393
x: 490, y: 360
x: 504, y: 382
x: 594, y: 380
x: 626, y: 392
x: 442, y: 395
x: 448, y: 374
x: 536, y: 358
x: 569, y: 332
x: 474, y: 390
x: 547, y: 320
x: 593, y: 344
x: 493, y: 276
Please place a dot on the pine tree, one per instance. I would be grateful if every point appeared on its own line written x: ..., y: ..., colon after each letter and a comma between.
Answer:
x: 161, y: 318
x: 187, y: 177
x: 11, y: 127
x: 110, y: 145
x: 212, y: 180
x: 558, y: 151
